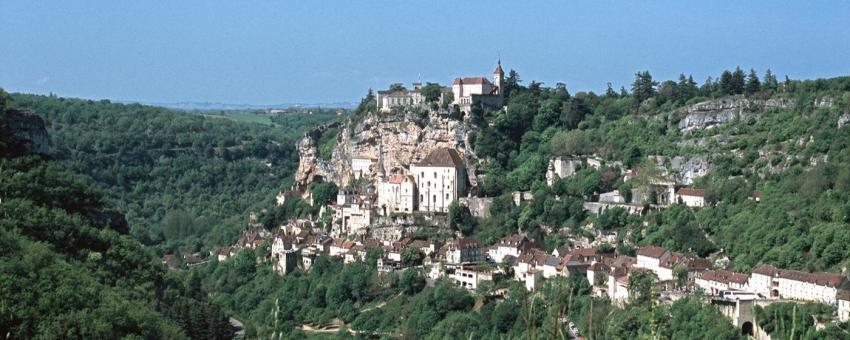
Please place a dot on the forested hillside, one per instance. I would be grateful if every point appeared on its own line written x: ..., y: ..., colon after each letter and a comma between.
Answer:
x: 69, y: 269
x: 791, y: 148
x: 185, y: 181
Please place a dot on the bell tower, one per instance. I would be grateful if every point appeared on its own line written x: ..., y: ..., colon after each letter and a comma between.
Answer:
x: 499, y: 77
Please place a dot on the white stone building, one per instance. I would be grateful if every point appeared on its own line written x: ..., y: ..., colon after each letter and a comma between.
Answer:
x: 440, y: 180
x: 400, y: 98
x: 562, y: 168
x: 691, y: 197
x: 649, y: 257
x: 796, y: 285
x: 479, y: 91
x: 470, y: 277
x: 462, y: 251
x: 715, y: 281
x: 397, y: 194
x: 512, y: 245
x: 352, y: 212
x: 844, y: 305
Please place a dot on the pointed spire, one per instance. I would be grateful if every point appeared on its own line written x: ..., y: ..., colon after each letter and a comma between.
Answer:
x: 498, y: 69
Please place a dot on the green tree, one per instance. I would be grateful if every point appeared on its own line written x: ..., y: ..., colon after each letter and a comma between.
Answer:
x: 643, y: 86
x: 411, y: 256
x: 431, y: 92
x: 324, y: 192
x: 753, y: 84
x: 411, y: 282
x: 642, y: 287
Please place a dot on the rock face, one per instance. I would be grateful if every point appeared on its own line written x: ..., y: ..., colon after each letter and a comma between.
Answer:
x: 392, y: 142
x: 709, y: 114
x: 689, y: 170
x: 843, y: 120
x: 24, y: 131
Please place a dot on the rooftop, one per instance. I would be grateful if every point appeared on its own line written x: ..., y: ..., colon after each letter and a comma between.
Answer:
x: 442, y: 157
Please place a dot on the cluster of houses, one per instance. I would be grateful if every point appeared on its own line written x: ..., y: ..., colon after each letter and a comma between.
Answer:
x: 430, y: 185
x: 469, y: 263
x: 659, y: 191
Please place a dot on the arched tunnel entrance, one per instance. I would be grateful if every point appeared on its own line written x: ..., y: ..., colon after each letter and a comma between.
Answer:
x: 747, y: 328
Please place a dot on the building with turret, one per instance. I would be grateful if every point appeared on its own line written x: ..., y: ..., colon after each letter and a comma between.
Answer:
x: 479, y: 91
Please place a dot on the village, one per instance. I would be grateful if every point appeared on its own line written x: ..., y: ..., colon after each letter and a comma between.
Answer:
x: 373, y: 218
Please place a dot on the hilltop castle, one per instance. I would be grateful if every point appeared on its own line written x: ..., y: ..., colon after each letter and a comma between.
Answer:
x: 468, y: 92
x: 474, y: 91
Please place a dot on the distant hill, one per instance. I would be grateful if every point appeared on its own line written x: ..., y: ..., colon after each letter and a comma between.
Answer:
x: 208, y: 106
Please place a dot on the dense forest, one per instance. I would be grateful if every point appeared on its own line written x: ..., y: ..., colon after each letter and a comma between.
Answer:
x: 185, y: 180
x: 70, y: 270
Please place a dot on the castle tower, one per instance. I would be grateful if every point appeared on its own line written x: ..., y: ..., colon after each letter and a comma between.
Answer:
x: 499, y: 77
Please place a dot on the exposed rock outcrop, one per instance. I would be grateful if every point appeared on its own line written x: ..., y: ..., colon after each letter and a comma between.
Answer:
x: 843, y: 120
x: 25, y: 132
x: 706, y: 115
x: 393, y: 142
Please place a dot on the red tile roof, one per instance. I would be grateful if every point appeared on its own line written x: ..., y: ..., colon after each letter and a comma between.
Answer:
x: 443, y: 157
x: 652, y: 251
x: 691, y: 192
x: 725, y: 276
x: 471, y: 81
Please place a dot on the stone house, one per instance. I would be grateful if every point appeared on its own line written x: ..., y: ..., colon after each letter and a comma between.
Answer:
x: 471, y: 276
x: 352, y: 212
x: 472, y: 92
x: 397, y: 194
x: 844, y: 305
x: 340, y: 246
x: 462, y: 251
x: 691, y: 197
x: 440, y: 179
x: 512, y: 245
x: 796, y: 285
x: 562, y: 167
x: 284, y: 254
x: 715, y: 281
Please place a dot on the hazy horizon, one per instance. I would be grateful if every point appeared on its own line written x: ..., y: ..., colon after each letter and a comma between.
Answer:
x: 267, y: 54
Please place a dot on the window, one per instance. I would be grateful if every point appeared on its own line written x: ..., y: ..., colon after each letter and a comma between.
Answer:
x: 447, y: 196
x: 435, y: 199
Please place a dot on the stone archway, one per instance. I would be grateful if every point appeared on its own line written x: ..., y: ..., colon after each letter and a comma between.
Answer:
x: 747, y: 328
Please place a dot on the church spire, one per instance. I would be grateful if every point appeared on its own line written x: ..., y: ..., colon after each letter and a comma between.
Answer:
x: 498, y: 69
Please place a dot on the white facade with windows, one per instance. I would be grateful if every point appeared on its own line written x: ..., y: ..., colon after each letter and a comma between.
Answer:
x: 396, y: 195
x: 440, y: 180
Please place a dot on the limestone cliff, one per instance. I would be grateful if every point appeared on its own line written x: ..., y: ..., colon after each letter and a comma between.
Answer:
x: 709, y: 114
x: 392, y: 141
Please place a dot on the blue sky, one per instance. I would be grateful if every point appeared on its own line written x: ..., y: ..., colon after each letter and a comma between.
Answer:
x: 266, y: 52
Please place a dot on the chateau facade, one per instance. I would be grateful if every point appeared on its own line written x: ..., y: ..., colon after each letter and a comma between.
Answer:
x: 474, y: 91
x: 440, y: 179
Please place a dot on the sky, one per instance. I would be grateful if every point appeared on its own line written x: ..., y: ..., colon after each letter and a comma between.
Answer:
x: 271, y: 52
